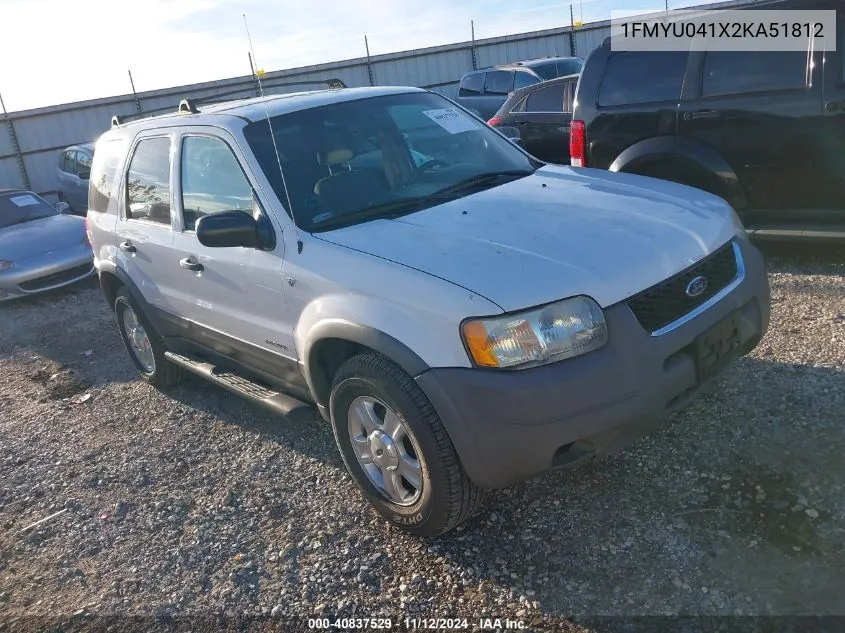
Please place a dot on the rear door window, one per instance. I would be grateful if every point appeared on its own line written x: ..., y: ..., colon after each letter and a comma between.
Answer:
x: 549, y: 99
x: 471, y: 85
x: 739, y: 72
x: 499, y: 82
x: 632, y: 77
x: 148, y: 181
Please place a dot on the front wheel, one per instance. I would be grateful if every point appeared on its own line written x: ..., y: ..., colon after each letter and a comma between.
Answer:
x: 397, y: 449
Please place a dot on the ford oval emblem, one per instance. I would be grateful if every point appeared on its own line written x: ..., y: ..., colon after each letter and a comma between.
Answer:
x: 696, y: 286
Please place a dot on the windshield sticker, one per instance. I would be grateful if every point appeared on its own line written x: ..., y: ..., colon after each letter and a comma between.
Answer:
x: 24, y: 201
x: 451, y: 120
x: 321, y: 217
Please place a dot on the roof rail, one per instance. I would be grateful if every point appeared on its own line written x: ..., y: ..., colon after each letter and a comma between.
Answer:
x: 191, y: 105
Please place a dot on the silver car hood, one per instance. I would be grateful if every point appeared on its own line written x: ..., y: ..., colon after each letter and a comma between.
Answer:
x: 37, y: 237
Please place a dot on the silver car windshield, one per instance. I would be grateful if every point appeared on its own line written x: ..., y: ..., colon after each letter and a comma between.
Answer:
x: 22, y: 206
x: 380, y: 157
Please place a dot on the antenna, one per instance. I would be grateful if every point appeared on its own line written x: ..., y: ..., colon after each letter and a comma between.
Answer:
x: 273, y: 137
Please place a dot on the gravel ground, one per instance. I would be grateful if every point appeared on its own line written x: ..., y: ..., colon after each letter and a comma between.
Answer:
x: 196, y: 502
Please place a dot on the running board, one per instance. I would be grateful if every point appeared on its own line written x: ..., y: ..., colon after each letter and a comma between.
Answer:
x: 284, y: 404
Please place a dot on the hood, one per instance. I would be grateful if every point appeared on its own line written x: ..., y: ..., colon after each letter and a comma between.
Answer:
x: 557, y: 233
x: 37, y: 237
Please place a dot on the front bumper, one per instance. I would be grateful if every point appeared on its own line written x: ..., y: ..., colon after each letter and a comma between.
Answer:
x: 47, y: 272
x: 508, y: 426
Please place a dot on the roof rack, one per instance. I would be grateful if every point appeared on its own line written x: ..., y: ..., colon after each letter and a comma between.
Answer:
x: 190, y: 106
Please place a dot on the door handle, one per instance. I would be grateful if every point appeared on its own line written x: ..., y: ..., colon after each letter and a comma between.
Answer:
x: 127, y: 247
x: 521, y: 122
x: 701, y: 114
x: 190, y: 264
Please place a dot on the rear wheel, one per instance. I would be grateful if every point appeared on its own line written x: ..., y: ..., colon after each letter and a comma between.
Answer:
x: 145, y: 347
x: 397, y: 449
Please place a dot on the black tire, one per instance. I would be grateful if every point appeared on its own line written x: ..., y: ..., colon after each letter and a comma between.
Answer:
x: 448, y: 497
x: 164, y: 373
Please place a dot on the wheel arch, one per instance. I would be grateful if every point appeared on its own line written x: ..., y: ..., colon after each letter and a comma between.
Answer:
x: 702, y: 159
x: 330, y: 343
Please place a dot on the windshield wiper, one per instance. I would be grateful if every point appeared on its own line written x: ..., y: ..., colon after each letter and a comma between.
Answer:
x: 485, y: 178
x: 391, y: 210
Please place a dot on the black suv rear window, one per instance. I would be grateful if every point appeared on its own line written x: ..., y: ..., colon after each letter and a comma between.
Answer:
x: 642, y: 77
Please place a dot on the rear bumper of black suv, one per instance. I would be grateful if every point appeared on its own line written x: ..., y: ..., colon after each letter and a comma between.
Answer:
x: 508, y: 426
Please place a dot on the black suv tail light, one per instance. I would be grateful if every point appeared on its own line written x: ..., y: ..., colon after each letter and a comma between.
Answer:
x: 577, y: 144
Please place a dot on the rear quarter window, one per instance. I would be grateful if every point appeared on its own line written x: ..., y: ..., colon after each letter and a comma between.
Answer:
x: 104, y: 168
x: 633, y: 77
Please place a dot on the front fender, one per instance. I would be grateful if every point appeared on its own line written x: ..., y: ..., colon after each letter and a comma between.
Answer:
x: 410, y: 339
x: 694, y: 154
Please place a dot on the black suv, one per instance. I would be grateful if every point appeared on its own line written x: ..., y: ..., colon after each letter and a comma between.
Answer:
x: 763, y: 130
x: 484, y: 91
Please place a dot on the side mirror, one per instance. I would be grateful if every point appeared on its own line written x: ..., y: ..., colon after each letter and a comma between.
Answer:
x: 62, y: 207
x: 227, y: 229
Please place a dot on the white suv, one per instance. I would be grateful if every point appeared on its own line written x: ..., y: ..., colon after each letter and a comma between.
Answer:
x: 463, y: 315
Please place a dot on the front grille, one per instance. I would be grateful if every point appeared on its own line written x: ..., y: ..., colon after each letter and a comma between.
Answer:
x: 56, y: 278
x: 668, y: 301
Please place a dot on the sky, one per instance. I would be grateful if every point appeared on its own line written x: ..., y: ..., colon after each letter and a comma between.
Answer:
x: 60, y: 52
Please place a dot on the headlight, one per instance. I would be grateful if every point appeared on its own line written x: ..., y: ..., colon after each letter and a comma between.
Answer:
x: 4, y: 265
x: 556, y: 331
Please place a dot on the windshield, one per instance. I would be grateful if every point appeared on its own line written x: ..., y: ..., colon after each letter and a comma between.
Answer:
x: 380, y: 157
x: 22, y: 206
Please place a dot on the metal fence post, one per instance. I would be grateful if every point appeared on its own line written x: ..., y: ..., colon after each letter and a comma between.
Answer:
x: 254, y: 76
x: 572, y: 31
x: 135, y: 94
x: 369, y: 63
x: 473, y: 52
x: 15, y: 145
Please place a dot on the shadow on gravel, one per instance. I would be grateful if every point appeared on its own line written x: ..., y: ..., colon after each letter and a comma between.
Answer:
x: 312, y: 438
x: 805, y: 254
x: 67, y: 331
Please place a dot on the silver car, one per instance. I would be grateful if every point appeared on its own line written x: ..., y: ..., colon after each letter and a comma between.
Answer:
x: 41, y: 247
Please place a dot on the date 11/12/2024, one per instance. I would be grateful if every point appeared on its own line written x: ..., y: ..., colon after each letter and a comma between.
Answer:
x: 415, y: 624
